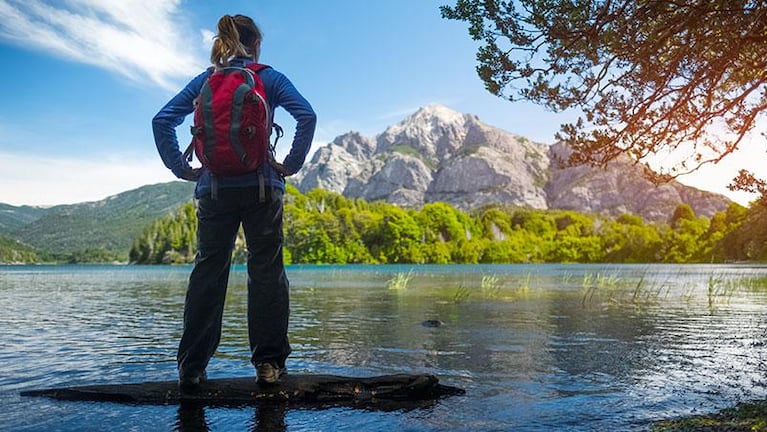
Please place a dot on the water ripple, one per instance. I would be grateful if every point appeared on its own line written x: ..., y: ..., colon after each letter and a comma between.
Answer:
x: 540, y: 360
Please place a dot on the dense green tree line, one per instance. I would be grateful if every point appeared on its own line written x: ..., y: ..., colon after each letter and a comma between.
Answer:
x: 169, y: 240
x: 14, y: 252
x: 326, y: 228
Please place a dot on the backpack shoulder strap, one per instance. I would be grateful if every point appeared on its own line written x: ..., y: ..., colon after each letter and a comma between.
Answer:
x: 257, y: 67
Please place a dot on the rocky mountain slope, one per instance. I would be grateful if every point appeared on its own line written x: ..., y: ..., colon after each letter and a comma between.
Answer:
x: 438, y: 154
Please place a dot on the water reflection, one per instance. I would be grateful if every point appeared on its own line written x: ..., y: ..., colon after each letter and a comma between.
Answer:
x: 191, y: 418
x: 270, y: 417
x: 267, y: 417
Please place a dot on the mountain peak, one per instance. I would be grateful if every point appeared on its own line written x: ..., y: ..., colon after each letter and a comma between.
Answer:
x: 433, y: 131
x: 435, y: 107
x: 435, y: 111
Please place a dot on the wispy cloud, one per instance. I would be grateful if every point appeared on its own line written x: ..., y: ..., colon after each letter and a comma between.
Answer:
x: 138, y: 39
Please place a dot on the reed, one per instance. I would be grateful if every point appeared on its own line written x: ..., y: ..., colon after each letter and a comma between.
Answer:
x: 604, y: 287
x: 610, y: 289
x: 490, y: 287
x: 523, y: 289
x: 717, y: 289
x: 755, y: 285
x: 400, y: 281
x: 567, y: 277
x: 638, y: 288
x: 461, y: 294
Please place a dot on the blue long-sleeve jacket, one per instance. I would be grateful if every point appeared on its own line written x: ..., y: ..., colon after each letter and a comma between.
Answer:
x: 280, y: 92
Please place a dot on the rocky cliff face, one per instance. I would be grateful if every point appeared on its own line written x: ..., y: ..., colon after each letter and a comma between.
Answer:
x: 438, y: 154
x: 621, y: 188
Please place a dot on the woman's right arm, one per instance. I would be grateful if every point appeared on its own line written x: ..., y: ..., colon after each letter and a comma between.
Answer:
x: 164, y: 127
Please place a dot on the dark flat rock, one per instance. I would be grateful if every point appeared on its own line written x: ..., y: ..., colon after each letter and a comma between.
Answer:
x: 299, y: 389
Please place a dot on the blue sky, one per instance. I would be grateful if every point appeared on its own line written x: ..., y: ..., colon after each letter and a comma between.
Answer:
x: 83, y: 78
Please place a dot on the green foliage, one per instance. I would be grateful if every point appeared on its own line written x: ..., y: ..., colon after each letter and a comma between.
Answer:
x: 629, y: 240
x: 744, y: 236
x: 683, y: 212
x: 168, y: 240
x: 683, y: 241
x: 322, y: 227
x: 326, y: 228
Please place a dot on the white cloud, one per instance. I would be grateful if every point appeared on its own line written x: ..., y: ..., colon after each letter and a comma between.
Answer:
x: 138, y: 39
x: 35, y: 180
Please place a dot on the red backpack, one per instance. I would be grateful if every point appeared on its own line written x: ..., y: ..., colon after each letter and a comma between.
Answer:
x: 232, y: 122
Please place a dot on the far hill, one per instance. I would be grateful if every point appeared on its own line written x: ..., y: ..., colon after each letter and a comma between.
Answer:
x: 110, y: 224
x: 12, y: 218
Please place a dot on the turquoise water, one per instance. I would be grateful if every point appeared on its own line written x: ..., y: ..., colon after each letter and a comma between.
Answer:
x: 536, y: 347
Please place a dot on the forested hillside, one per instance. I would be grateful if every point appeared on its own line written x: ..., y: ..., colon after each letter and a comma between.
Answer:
x: 13, y: 217
x: 13, y: 252
x: 325, y: 227
x: 99, y: 231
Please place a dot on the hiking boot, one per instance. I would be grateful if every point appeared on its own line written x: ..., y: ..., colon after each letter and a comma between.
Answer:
x: 269, y: 373
x: 188, y: 383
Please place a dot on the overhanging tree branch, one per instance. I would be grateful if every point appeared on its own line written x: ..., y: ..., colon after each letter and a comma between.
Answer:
x: 649, y: 76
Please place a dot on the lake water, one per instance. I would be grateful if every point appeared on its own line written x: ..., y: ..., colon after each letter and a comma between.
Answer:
x: 536, y: 347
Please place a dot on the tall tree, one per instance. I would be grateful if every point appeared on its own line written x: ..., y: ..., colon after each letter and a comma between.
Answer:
x: 648, y: 76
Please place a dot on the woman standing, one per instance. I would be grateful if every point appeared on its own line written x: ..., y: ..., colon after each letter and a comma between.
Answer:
x: 253, y: 200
